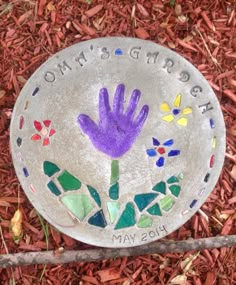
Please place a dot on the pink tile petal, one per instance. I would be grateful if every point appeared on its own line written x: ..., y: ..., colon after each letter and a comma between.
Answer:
x: 47, y: 123
x: 52, y: 132
x: 46, y: 141
x: 36, y: 137
x: 37, y: 126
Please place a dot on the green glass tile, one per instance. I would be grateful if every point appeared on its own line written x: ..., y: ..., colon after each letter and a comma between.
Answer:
x: 79, y: 204
x: 167, y: 203
x: 181, y: 176
x: 127, y: 218
x: 172, y: 179
x: 114, y: 171
x: 160, y: 187
x: 143, y: 200
x: 113, y: 209
x: 144, y: 222
x: 93, y: 192
x: 175, y: 190
x: 98, y: 220
x: 154, y: 210
x: 68, y: 182
x: 50, y: 168
x: 53, y: 188
x: 114, y: 191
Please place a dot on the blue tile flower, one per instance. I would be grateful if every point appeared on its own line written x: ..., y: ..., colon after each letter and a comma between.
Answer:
x: 162, y: 150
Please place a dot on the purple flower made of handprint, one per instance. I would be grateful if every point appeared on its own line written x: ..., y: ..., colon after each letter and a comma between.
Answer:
x: 116, y: 130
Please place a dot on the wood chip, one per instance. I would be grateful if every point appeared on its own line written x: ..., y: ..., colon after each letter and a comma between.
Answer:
x: 93, y: 11
x: 142, y: 33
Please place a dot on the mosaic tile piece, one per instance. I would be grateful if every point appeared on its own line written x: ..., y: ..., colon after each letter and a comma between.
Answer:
x: 175, y: 190
x: 35, y: 92
x: 160, y: 187
x: 160, y: 162
x: 177, y: 101
x: 118, y: 51
x: 212, y: 160
x: 161, y: 150
x: 46, y: 141
x: 166, y: 203
x: 127, y: 218
x: 172, y: 179
x: 94, y: 194
x: 168, y: 118
x: 213, y: 143
x: 212, y: 123
x: 193, y: 203
x: 32, y: 188
x: 154, y: 210
x: 143, y: 200
x: 151, y: 152
x: 176, y: 111
x: 114, y: 191
x: 168, y: 143
x: 25, y: 171
x: 78, y: 204
x: 182, y: 121
x: 165, y: 107
x: 174, y: 152
x: 19, y: 141
x: 181, y: 176
x: 144, y: 222
x: 114, y: 171
x: 50, y: 168
x: 113, y: 210
x: 52, y: 132
x: 38, y: 126
x: 187, y: 111
x: 206, y: 178
x: 68, y: 182
x: 47, y: 123
x: 98, y: 220
x: 36, y: 137
x: 155, y: 142
x: 21, y: 122
x: 53, y: 188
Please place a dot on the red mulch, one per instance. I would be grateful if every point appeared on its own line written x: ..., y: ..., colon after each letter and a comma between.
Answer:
x: 202, y: 31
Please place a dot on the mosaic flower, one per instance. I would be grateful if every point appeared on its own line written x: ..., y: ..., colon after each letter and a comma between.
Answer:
x: 44, y: 132
x: 176, y: 113
x: 162, y: 150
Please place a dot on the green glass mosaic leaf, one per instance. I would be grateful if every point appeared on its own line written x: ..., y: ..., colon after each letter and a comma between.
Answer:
x: 68, y: 182
x: 167, y: 203
x: 127, y: 218
x: 154, y: 210
x: 98, y: 220
x: 93, y: 192
x: 172, y: 179
x: 114, y: 171
x: 160, y: 187
x: 79, y: 204
x: 53, y: 188
x: 143, y: 200
x: 144, y: 222
x: 113, y: 209
x: 50, y: 168
x: 175, y: 190
x: 114, y: 191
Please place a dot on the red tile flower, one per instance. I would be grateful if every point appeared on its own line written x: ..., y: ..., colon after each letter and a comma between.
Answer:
x: 44, y: 132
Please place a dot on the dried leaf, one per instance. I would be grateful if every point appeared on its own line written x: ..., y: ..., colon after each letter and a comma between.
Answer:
x: 187, y: 263
x: 16, y: 225
x: 179, y: 280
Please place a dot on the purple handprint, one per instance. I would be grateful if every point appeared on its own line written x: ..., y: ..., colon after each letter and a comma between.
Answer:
x: 116, y: 130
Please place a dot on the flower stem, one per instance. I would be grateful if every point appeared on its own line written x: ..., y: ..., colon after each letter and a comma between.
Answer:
x: 114, y: 181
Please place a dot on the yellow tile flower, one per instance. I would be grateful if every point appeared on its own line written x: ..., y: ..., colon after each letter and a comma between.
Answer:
x: 175, y: 113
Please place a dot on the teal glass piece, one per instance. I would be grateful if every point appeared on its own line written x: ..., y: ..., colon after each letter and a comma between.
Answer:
x: 78, y: 204
x: 114, y: 171
x: 144, y: 222
x: 154, y: 210
x: 113, y: 210
x: 167, y: 203
x: 143, y: 200
x: 114, y: 191
x: 93, y: 192
x: 172, y: 179
x: 98, y: 220
x: 160, y: 187
x: 53, y: 188
x: 175, y: 190
x: 50, y: 168
x: 181, y: 176
x: 68, y: 182
x: 127, y: 218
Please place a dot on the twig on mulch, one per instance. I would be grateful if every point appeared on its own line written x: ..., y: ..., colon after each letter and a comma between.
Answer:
x: 60, y: 256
